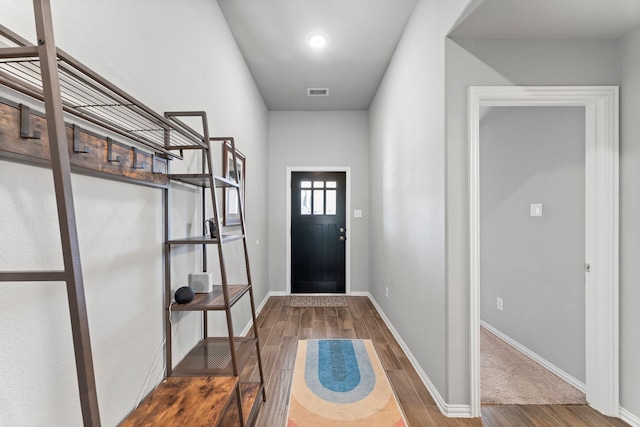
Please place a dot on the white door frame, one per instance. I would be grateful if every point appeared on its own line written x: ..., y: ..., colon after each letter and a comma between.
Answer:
x: 602, y: 226
x: 347, y: 261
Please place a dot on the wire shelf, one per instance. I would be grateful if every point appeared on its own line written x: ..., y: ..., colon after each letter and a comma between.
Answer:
x: 88, y: 96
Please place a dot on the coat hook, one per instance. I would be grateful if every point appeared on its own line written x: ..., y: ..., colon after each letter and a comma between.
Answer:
x: 25, y: 124
x: 76, y: 141
x: 136, y: 165
x: 154, y: 169
x: 110, y: 157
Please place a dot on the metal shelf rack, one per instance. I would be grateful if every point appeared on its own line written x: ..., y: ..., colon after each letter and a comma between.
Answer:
x: 89, y: 96
x: 214, y: 356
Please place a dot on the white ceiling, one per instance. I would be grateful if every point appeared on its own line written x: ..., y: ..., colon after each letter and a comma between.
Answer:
x: 363, y: 34
x: 551, y: 19
x: 272, y: 36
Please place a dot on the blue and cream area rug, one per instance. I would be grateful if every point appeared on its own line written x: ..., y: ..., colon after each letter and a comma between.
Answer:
x: 341, y: 383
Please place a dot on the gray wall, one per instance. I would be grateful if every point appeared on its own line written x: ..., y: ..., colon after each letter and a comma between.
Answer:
x: 535, y: 264
x: 501, y: 62
x: 630, y: 223
x: 318, y: 139
x: 407, y: 181
x: 159, y: 61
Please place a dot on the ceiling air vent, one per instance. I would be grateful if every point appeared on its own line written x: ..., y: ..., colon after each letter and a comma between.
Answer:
x: 317, y: 91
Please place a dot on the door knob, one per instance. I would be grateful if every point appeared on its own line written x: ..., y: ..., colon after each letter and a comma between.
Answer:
x: 342, y: 238
x: 342, y: 229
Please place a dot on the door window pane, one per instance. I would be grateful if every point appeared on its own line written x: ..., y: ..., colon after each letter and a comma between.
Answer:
x: 331, y: 202
x: 318, y: 184
x: 305, y: 197
x: 331, y: 184
x: 318, y: 202
x: 305, y: 184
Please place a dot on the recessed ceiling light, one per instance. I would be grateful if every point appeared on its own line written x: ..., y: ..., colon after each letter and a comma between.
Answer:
x: 318, y: 40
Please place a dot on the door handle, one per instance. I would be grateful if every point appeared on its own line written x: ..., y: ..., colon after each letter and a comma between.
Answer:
x: 342, y: 238
x: 342, y: 229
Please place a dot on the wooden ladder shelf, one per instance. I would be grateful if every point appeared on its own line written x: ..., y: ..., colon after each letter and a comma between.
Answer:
x: 211, y: 356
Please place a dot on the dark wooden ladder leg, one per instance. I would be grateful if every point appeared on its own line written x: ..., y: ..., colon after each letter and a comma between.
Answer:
x: 66, y: 213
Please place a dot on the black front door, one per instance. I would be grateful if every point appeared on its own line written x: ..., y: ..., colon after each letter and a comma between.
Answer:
x: 318, y: 232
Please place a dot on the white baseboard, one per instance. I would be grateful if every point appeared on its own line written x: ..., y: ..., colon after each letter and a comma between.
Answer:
x: 360, y: 294
x: 535, y: 357
x: 629, y: 418
x: 458, y: 411
x: 262, y: 304
x: 277, y: 294
x: 249, y: 324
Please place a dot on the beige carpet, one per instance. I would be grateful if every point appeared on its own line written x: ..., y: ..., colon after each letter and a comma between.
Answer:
x: 317, y: 301
x: 509, y: 377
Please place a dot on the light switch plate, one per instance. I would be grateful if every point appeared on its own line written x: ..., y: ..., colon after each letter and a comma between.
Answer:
x: 536, y: 209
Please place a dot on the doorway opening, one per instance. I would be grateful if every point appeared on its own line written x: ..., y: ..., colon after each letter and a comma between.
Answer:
x: 601, y: 229
x: 532, y: 252
x: 318, y: 247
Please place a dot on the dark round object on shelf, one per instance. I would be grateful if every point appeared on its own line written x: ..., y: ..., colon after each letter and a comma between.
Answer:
x: 184, y: 295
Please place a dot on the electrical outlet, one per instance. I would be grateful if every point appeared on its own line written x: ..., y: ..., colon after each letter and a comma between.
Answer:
x: 386, y: 292
x: 499, y: 303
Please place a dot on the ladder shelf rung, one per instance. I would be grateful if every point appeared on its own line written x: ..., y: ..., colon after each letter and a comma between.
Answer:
x: 33, y: 276
x: 202, y: 180
x: 205, y: 240
x: 225, y: 182
x: 19, y: 52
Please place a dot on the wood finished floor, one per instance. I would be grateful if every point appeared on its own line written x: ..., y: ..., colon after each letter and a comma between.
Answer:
x: 281, y: 326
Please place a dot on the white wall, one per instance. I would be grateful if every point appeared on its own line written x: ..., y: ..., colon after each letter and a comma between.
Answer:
x: 407, y: 185
x: 534, y: 264
x: 120, y: 246
x: 499, y: 62
x: 319, y: 139
x: 629, y: 223
x: 171, y: 57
